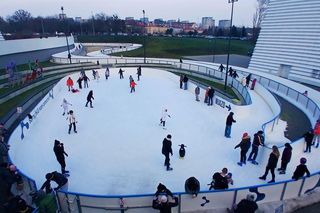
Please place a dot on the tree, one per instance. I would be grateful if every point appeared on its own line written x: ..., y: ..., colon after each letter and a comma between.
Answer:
x: 243, y: 32
x: 169, y: 31
x: 234, y: 31
x: 258, y: 16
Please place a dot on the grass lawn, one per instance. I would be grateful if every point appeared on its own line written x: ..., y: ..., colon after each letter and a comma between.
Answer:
x: 173, y: 47
x: 22, y: 67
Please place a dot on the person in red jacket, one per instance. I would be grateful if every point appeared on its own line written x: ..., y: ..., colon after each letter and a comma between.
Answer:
x: 70, y: 83
x: 133, y: 86
x: 316, y: 132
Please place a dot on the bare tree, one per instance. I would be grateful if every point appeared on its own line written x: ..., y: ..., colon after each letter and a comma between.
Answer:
x: 258, y: 16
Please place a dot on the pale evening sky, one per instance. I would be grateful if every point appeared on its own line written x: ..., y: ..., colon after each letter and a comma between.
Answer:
x: 192, y: 10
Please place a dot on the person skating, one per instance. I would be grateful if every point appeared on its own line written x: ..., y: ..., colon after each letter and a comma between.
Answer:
x: 197, y: 93
x: 219, y: 180
x: 139, y: 72
x: 90, y: 98
x: 235, y: 74
x: 248, y: 79
x: 107, y: 73
x: 206, y: 96
x: 272, y: 164
x: 121, y: 73
x: 230, y: 72
x: 130, y: 80
x: 57, y: 177
x: 192, y: 186
x: 60, y: 153
x: 254, y: 81
x: 94, y: 74
x: 308, y: 137
x: 162, y: 203
x: 79, y: 81
x: 301, y: 170
x: 210, y: 96
x: 97, y: 75
x: 229, y: 121
x: 163, y: 118
x: 285, y: 158
x: 65, y: 105
x: 166, y: 150
x: 185, y: 82
x: 258, y: 140
x: 70, y: 84
x: 316, y: 138
x: 244, y: 146
x: 85, y: 81
x: 221, y: 68
x: 181, y: 81
x: 133, y: 86
x: 72, y: 122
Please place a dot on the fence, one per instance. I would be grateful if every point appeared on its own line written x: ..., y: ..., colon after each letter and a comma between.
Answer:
x: 77, y: 202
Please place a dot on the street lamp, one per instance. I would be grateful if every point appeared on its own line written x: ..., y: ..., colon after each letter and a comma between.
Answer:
x: 214, y: 50
x: 144, y: 37
x: 225, y: 83
x: 65, y: 32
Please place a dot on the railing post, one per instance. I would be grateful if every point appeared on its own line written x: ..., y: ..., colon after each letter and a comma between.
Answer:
x: 235, y: 197
x: 180, y: 203
x: 300, y: 190
x: 287, y: 91
x: 298, y: 97
x: 283, y: 190
x: 78, y: 204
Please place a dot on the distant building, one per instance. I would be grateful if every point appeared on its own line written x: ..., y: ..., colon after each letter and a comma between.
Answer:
x: 1, y: 37
x: 145, y: 20
x: 156, y: 29
x: 224, y: 23
x: 129, y: 18
x: 169, y: 22
x: 207, y: 22
x: 159, y: 21
x: 62, y: 16
x: 78, y: 19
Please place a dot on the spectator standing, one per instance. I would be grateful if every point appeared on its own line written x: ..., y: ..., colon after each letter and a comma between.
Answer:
x: 301, y: 169
x: 272, y: 164
x: 235, y: 74
x: 163, y: 204
x: 166, y: 150
x: 197, y: 93
x: 229, y: 121
x: 60, y: 153
x: 70, y: 84
x: 230, y: 72
x: 254, y: 81
x: 221, y: 68
x: 285, y: 158
x: 244, y: 146
x: 248, y: 79
x: 4, y: 149
x: 3, y: 132
x: 206, y: 96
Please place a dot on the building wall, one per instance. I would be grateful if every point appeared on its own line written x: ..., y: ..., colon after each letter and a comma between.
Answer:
x: 224, y: 23
x: 289, y: 43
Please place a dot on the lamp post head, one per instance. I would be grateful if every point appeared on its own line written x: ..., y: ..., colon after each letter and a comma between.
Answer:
x: 232, y: 1
x: 62, y: 8
x: 143, y: 12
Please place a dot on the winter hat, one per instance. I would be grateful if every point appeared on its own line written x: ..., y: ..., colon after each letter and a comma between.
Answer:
x: 12, y: 168
x: 245, y: 135
x: 169, y: 136
x: 163, y: 199
x: 260, y: 132
x: 250, y: 197
x: 303, y: 161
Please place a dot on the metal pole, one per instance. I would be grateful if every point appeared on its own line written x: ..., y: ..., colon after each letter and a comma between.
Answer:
x: 65, y: 32
x: 144, y: 37
x: 225, y: 82
x: 214, y: 50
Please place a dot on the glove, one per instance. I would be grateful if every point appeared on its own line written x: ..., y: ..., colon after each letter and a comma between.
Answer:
x: 56, y: 188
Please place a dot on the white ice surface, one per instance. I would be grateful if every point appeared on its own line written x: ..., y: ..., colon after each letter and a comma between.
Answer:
x: 117, y: 149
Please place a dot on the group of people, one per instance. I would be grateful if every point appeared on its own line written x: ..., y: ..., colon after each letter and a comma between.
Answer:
x: 312, y: 137
x: 184, y: 82
x: 132, y: 83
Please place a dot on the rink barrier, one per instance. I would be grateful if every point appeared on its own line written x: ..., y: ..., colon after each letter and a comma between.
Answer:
x: 206, y: 200
x: 78, y: 202
x: 200, y: 69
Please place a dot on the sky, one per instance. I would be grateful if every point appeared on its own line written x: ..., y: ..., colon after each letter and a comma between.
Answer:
x: 192, y: 10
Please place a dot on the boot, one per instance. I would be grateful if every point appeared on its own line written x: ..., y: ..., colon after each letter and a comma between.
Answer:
x: 169, y: 168
x: 282, y: 172
x: 239, y: 163
x: 262, y: 178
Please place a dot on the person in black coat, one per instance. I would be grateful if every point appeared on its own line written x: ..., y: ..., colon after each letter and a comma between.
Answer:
x: 57, y: 177
x: 121, y: 73
x: 301, y: 169
x: 247, y: 205
x: 89, y: 97
x: 258, y: 140
x: 244, y: 146
x: 210, y: 96
x: 192, y: 186
x: 163, y: 204
x: 59, y: 152
x: 248, y: 79
x: 285, y: 158
x: 272, y: 164
x: 185, y: 82
x: 166, y: 150
x: 308, y: 137
x: 229, y: 122
x: 219, y: 180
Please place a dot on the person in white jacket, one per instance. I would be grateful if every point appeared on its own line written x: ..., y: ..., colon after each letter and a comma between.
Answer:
x: 164, y: 118
x: 65, y: 105
x: 72, y: 122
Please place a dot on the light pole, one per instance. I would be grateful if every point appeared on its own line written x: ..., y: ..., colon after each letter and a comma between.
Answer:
x: 214, y: 50
x: 225, y: 82
x: 144, y: 37
x: 65, y: 32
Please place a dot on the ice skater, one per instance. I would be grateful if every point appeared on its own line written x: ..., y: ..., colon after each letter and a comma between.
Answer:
x: 285, y: 158
x: 90, y: 98
x: 97, y: 75
x: 133, y: 86
x: 85, y: 81
x: 316, y: 131
x: 121, y: 73
x: 72, y: 122
x: 60, y: 153
x: 94, y: 74
x: 139, y: 72
x: 166, y: 150
x: 258, y: 140
x: 107, y: 73
x: 197, y: 93
x: 301, y: 169
x: 70, y: 84
x: 79, y: 81
x: 308, y: 137
x: 130, y: 80
x: 164, y: 118
x: 229, y: 121
x: 272, y: 164
x: 57, y: 177
x: 244, y: 146
x: 65, y: 105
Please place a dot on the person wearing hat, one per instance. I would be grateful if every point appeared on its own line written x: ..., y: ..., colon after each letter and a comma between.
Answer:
x: 229, y: 122
x: 257, y: 141
x: 57, y: 177
x: 301, y: 169
x: 247, y: 205
x: 244, y: 146
x: 166, y: 150
x: 162, y: 203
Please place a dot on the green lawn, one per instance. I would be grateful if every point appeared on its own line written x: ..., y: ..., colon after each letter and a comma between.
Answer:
x: 22, y: 67
x: 173, y: 47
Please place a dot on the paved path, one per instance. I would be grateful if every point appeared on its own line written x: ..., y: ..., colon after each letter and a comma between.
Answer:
x: 234, y: 60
